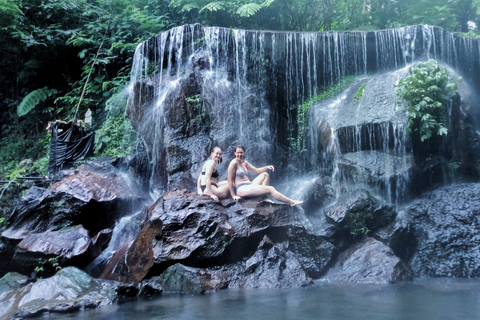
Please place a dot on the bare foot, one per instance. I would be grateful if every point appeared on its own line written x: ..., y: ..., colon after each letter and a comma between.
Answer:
x: 295, y: 203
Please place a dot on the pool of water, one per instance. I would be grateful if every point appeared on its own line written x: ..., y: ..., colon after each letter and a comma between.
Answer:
x: 448, y: 299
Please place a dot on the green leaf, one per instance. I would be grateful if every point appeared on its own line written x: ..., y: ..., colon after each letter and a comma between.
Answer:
x: 213, y: 6
x: 442, y: 131
x: 248, y: 10
x: 32, y: 99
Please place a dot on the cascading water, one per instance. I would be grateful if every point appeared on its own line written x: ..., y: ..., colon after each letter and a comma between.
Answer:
x: 196, y: 87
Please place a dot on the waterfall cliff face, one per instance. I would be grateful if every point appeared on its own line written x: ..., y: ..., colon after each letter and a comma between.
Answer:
x: 196, y: 87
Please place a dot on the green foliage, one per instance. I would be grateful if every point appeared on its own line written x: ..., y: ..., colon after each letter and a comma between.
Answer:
x: 303, y: 111
x: 426, y: 90
x: 9, y: 12
x: 32, y: 99
x: 233, y: 8
x: 199, y: 116
x: 116, y: 136
x: 47, y: 267
x: 359, y: 93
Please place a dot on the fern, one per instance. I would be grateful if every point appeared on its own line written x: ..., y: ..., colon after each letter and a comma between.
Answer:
x: 214, y: 6
x: 248, y: 10
x: 189, y: 6
x: 32, y: 99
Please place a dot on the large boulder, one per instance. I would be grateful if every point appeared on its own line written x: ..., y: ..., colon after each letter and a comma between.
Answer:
x: 69, y: 290
x: 369, y: 261
x: 355, y: 215
x: 447, y: 228
x: 198, y: 232
x: 72, y: 219
x: 133, y: 261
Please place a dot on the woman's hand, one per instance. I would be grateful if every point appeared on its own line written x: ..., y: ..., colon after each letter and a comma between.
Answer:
x: 271, y: 168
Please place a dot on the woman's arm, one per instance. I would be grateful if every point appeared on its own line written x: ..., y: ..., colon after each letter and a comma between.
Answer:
x: 232, y: 169
x: 210, y: 166
x: 258, y: 170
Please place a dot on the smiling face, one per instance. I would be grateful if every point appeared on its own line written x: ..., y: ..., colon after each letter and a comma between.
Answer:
x: 216, y: 154
x: 239, y: 154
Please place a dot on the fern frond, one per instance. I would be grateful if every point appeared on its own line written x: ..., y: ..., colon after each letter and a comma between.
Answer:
x: 32, y: 99
x: 189, y: 7
x: 248, y: 10
x: 267, y: 3
x: 9, y: 7
x: 214, y: 6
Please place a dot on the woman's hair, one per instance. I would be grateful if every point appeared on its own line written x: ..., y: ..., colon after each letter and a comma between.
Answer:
x: 239, y: 146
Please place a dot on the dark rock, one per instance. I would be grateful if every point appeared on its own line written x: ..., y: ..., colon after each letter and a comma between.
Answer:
x: 400, y: 237
x: 313, y: 251
x: 369, y: 261
x: 393, y: 176
x: 83, y: 207
x: 67, y: 246
x: 447, y: 228
x: 197, y: 230
x: 267, y: 245
x: 357, y: 214
x: 150, y: 287
x: 132, y: 262
x: 182, y: 279
x: 71, y: 289
x: 67, y: 243
x: 276, y: 267
x: 322, y: 193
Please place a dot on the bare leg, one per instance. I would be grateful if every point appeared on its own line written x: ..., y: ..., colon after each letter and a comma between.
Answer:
x: 222, y: 191
x: 222, y: 183
x: 258, y: 191
x: 199, y: 190
x: 262, y: 179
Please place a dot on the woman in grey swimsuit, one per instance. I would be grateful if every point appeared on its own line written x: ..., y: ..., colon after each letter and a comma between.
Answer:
x: 207, y: 182
x: 240, y: 186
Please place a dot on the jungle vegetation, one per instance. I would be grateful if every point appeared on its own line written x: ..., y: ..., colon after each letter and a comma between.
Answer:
x: 51, y: 47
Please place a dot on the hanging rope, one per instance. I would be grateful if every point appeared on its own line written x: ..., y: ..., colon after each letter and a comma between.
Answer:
x: 88, y: 77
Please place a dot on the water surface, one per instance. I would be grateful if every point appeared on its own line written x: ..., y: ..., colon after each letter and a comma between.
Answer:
x: 438, y: 299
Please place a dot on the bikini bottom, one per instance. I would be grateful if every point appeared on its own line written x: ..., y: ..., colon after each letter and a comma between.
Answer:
x: 239, y: 186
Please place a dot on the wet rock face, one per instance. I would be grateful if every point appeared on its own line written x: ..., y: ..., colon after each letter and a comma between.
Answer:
x: 357, y: 214
x: 447, y: 227
x: 267, y: 245
x: 71, y: 220
x: 70, y: 290
x: 132, y: 262
x: 369, y: 261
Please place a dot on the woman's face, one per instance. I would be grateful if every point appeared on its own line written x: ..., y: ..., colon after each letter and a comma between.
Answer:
x: 217, y: 154
x: 239, y: 154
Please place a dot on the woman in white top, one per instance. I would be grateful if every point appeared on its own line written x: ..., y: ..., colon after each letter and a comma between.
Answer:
x: 240, y: 186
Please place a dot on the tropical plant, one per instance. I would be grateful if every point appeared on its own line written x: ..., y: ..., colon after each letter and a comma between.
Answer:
x: 426, y: 90
x: 32, y: 99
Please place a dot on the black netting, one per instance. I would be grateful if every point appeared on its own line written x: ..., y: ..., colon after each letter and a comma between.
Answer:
x: 69, y: 143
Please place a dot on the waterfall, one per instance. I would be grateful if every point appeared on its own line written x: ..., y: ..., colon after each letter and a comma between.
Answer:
x: 195, y: 87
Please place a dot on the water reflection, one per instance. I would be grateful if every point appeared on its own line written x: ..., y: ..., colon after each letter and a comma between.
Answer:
x: 439, y: 299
